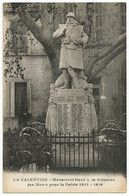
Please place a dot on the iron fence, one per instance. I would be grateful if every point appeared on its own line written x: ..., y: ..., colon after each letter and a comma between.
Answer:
x: 68, y: 152
x: 88, y: 152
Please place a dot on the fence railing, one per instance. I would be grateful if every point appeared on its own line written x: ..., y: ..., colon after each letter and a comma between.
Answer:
x: 71, y: 152
x: 87, y: 151
x: 75, y: 151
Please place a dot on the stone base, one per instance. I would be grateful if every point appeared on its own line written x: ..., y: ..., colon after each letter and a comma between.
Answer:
x: 71, y: 110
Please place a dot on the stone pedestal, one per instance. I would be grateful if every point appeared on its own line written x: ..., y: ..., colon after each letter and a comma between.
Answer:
x: 71, y: 110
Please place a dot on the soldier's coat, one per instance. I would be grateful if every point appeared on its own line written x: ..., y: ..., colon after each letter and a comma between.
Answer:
x: 71, y: 50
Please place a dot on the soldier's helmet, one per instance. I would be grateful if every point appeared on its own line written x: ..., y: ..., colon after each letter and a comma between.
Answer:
x: 70, y: 14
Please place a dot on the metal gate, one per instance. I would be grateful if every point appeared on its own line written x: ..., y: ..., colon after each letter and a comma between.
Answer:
x: 87, y: 152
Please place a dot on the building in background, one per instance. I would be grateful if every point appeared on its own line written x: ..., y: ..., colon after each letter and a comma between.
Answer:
x: 103, y: 22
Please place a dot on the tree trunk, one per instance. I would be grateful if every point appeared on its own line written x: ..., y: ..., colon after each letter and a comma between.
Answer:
x: 47, y: 43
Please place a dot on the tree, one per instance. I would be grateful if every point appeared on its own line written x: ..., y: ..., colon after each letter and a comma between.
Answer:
x: 99, y: 61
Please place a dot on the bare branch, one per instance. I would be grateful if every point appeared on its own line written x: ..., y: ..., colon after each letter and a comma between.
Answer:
x: 104, y: 52
x: 107, y: 60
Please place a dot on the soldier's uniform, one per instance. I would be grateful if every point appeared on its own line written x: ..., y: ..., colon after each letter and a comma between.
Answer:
x: 71, y: 48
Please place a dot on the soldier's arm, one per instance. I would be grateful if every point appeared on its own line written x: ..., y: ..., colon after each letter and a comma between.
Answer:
x: 84, y: 38
x: 59, y: 32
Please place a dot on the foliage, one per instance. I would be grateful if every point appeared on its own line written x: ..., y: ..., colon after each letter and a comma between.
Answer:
x: 110, y: 130
x: 14, y: 43
x: 113, y: 152
x: 13, y: 68
x: 31, y: 145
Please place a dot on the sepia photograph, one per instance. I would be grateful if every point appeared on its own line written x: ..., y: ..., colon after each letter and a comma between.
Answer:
x: 64, y: 97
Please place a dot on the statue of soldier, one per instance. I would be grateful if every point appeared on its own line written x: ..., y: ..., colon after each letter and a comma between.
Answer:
x: 71, y: 58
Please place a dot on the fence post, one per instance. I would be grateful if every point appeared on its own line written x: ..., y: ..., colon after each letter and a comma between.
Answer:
x: 98, y: 152
x: 107, y: 155
x: 55, y: 150
x: 78, y: 149
x: 69, y: 149
x: 51, y: 147
x: 83, y: 151
x: 88, y: 150
x: 64, y: 150
x: 113, y: 156
x: 60, y: 149
x: 74, y: 150
x: 93, y: 146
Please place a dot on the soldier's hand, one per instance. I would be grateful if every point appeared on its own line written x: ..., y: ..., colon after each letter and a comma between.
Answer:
x: 63, y: 27
x: 79, y: 41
